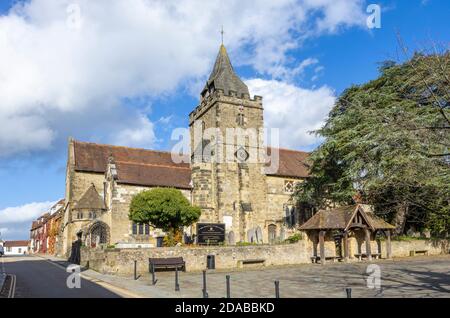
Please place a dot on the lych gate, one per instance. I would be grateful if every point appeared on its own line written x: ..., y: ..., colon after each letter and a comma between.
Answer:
x: 344, y: 223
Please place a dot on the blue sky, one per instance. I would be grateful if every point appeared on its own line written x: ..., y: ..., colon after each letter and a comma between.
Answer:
x: 131, y: 75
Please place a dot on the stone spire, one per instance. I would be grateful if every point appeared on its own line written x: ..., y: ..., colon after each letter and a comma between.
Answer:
x: 223, y: 77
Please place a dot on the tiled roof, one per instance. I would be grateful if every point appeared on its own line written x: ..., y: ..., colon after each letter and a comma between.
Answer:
x: 16, y: 243
x: 291, y: 163
x: 134, y: 166
x: 153, y: 175
x: 91, y: 200
x: 339, y: 218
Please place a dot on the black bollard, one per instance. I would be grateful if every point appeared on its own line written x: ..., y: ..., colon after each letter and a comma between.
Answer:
x: 135, y: 270
x: 277, y: 289
x: 205, y: 293
x: 177, y: 285
x: 349, y: 292
x: 153, y: 275
x: 228, y: 286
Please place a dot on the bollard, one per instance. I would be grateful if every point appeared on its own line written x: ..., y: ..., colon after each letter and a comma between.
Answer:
x: 135, y: 270
x: 228, y: 286
x: 277, y: 289
x: 205, y: 293
x: 177, y: 285
x: 153, y: 275
x: 349, y: 292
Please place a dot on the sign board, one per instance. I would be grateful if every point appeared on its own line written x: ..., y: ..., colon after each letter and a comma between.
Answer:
x: 210, y: 233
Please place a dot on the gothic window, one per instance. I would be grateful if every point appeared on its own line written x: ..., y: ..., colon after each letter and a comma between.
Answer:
x: 134, y: 228
x: 92, y: 215
x: 146, y: 229
x: 289, y: 186
x: 79, y: 215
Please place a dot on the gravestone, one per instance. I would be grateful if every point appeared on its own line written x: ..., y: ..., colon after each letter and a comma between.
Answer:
x: 231, y: 238
x: 251, y: 235
x: 259, y: 235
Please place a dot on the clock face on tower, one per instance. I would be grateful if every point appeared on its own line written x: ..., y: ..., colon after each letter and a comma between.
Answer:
x: 242, y: 154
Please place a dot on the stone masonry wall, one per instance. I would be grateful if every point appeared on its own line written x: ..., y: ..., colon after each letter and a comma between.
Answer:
x: 121, y: 261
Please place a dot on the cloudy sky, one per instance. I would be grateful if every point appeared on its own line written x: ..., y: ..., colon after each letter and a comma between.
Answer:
x: 129, y: 72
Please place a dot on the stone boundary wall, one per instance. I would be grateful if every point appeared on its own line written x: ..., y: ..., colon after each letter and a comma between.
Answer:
x: 434, y: 247
x: 121, y: 261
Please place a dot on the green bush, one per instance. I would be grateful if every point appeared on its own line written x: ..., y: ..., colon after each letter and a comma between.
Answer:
x: 294, y: 238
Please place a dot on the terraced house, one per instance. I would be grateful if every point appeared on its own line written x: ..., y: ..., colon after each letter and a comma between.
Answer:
x: 251, y: 197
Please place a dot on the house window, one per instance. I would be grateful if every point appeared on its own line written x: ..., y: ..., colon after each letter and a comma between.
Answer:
x: 289, y: 186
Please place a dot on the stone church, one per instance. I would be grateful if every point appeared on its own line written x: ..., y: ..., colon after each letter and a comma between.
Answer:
x: 251, y: 197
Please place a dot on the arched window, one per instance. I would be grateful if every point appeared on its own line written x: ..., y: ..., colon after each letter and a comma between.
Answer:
x: 272, y: 231
x: 240, y: 119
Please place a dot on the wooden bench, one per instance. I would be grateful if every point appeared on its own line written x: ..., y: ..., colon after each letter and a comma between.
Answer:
x: 364, y: 255
x: 243, y: 262
x: 414, y: 252
x: 165, y: 263
x: 316, y: 259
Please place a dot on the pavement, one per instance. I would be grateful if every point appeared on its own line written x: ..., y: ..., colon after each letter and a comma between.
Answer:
x: 417, y: 277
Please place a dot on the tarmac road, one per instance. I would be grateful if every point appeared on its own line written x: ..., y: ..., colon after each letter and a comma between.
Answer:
x: 38, y: 278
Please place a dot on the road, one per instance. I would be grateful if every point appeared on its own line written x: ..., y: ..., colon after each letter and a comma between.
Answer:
x: 39, y: 278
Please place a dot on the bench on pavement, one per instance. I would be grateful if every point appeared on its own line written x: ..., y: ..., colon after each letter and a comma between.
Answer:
x: 364, y: 255
x: 316, y: 259
x: 243, y: 262
x: 165, y: 263
x: 414, y: 252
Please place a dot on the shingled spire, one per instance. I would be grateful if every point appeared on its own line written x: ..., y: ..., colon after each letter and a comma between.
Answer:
x: 223, y: 77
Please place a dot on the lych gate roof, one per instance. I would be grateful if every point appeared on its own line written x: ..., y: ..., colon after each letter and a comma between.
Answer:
x: 223, y: 76
x: 91, y: 200
x: 340, y: 219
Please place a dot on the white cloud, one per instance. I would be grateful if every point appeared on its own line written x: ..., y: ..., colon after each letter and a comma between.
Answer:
x: 23, y: 213
x: 141, y: 135
x: 294, y: 110
x: 15, y: 222
x: 57, y: 79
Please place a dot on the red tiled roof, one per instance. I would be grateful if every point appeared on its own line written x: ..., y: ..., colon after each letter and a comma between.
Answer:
x: 292, y: 163
x: 93, y: 157
x: 134, y: 166
x: 16, y: 243
x: 154, y: 175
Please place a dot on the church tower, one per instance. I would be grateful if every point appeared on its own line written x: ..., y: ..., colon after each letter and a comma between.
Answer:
x: 227, y: 148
